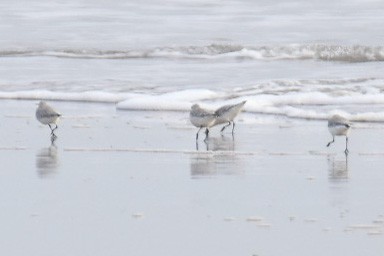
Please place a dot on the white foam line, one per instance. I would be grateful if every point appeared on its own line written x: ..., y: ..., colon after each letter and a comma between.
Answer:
x: 16, y: 116
x: 191, y: 152
x: 88, y: 96
x: 287, y: 153
x: 13, y: 148
x: 81, y: 126
x: 166, y: 151
x: 364, y: 227
x: 321, y: 153
x: 375, y: 232
x: 138, y: 150
x: 372, y: 154
x: 254, y: 219
x: 82, y: 117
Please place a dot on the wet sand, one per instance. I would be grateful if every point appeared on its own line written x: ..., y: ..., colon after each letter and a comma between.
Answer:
x: 136, y: 183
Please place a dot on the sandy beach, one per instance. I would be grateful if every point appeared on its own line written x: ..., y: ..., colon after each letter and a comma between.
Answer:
x: 133, y: 183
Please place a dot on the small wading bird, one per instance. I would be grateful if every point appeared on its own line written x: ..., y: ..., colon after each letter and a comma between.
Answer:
x: 339, y: 126
x: 227, y: 113
x: 201, y: 118
x: 47, y: 115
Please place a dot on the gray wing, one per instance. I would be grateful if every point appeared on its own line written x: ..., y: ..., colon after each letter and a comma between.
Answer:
x: 339, y: 123
x: 223, y: 109
x: 201, y: 113
x: 227, y: 108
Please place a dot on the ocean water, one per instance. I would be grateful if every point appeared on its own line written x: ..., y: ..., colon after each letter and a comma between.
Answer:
x: 294, y: 58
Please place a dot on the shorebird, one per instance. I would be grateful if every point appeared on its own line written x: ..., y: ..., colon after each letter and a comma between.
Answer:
x: 339, y: 126
x: 45, y: 114
x: 201, y: 118
x: 227, y: 113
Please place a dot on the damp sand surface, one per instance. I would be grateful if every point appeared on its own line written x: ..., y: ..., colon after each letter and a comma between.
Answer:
x: 137, y: 183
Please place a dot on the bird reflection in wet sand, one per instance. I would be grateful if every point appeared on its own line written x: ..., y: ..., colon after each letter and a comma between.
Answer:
x: 222, y: 143
x: 47, y: 160
x: 220, y: 160
x: 206, y: 146
x: 338, y: 167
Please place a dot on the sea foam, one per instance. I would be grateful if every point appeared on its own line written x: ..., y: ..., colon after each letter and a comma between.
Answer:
x: 88, y: 96
x: 176, y: 101
x: 316, y: 100
x: 323, y: 52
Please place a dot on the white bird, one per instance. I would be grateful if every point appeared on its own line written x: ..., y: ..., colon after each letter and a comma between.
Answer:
x: 339, y: 126
x: 201, y: 118
x: 227, y: 113
x: 45, y: 114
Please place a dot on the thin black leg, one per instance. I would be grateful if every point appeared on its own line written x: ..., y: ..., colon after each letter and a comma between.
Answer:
x: 333, y: 140
x: 53, y: 138
x: 225, y: 126
x: 52, y: 130
x: 206, y: 134
x: 206, y: 145
x: 233, y: 127
x: 346, y: 151
x: 197, y: 134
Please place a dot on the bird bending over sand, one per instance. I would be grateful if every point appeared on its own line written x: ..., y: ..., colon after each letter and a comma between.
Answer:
x: 201, y: 118
x: 339, y: 126
x: 227, y: 113
x: 45, y: 114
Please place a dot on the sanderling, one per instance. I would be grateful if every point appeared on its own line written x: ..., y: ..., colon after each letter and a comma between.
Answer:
x: 339, y: 126
x: 201, y: 118
x: 46, y: 115
x: 227, y: 113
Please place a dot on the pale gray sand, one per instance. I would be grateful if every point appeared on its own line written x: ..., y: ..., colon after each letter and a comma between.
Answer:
x: 132, y: 183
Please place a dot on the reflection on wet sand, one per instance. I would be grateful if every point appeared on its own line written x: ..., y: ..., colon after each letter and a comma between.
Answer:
x: 218, y: 159
x: 222, y: 143
x: 338, y: 167
x: 338, y: 182
x: 47, y: 160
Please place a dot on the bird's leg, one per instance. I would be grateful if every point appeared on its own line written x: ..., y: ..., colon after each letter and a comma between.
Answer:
x: 233, y: 127
x: 225, y: 126
x: 346, y: 151
x: 197, y: 134
x: 53, y: 138
x: 50, y: 127
x: 53, y: 131
x: 206, y: 145
x: 206, y: 134
x: 333, y: 140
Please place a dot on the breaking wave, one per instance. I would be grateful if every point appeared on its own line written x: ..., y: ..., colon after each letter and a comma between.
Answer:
x: 357, y: 99
x: 323, y: 52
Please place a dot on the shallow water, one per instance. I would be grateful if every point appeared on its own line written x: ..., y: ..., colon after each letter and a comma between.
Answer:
x: 298, y: 59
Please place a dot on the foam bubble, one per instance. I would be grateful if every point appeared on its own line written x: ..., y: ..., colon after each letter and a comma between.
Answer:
x: 178, y: 101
